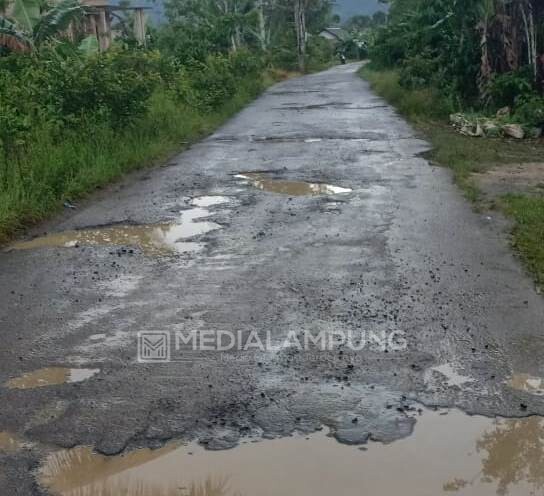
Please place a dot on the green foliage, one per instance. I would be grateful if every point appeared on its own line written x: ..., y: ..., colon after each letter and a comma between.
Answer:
x: 420, y: 71
x: 439, y: 38
x: 80, y: 118
x: 507, y: 88
x: 49, y: 156
x: 207, y: 85
x: 27, y: 28
x: 414, y: 103
x: 57, y: 19
x: 320, y: 53
x: 197, y: 28
x: 12, y: 36
x: 245, y: 63
x: 530, y: 111
x: 26, y: 13
x: 89, y: 45
x: 529, y: 231
x: 59, y: 93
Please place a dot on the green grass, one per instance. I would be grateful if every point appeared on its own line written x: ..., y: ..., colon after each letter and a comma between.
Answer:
x: 529, y: 230
x: 429, y: 112
x: 51, y: 172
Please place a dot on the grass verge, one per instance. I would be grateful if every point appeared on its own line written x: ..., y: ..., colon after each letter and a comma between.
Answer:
x: 529, y: 230
x: 429, y: 112
x: 51, y: 172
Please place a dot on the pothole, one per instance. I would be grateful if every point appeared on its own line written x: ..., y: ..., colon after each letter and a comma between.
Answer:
x: 292, y: 188
x: 474, y: 456
x: 151, y: 239
x: 528, y: 383
x: 49, y: 377
x: 9, y: 442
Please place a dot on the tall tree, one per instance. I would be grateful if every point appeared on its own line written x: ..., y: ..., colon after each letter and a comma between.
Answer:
x: 300, y: 28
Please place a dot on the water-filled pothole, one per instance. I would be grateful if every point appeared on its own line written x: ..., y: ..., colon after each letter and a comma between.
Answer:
x: 293, y: 188
x: 474, y: 456
x: 151, y: 239
x: 49, y: 377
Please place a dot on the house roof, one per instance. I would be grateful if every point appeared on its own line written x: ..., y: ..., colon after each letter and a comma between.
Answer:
x: 338, y: 33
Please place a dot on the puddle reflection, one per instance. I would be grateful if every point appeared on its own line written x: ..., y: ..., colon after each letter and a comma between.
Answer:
x: 151, y: 239
x: 447, y: 454
x: 293, y: 188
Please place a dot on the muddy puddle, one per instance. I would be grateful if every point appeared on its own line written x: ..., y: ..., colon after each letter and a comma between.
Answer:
x: 292, y: 188
x: 151, y: 239
x: 49, y: 377
x: 9, y: 442
x: 447, y: 454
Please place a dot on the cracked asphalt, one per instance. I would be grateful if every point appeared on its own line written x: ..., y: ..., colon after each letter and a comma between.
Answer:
x: 402, y: 251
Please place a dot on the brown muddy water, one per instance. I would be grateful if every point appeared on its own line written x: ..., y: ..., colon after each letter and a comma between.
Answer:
x: 151, y: 239
x: 293, y: 188
x: 50, y: 377
x: 448, y: 453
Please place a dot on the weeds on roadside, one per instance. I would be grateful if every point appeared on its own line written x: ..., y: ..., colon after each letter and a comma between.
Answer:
x: 53, y: 155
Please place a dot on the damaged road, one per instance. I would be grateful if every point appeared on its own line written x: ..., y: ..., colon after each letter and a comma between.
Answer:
x: 293, y: 218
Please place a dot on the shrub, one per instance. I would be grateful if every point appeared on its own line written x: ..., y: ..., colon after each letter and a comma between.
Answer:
x: 530, y: 111
x: 320, y: 53
x: 244, y: 63
x: 14, y: 122
x: 419, y: 71
x: 507, y: 88
x: 206, y: 85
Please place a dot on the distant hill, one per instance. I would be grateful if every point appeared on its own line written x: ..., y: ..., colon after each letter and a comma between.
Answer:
x: 348, y: 8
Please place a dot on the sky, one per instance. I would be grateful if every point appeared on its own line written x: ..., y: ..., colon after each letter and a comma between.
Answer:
x: 349, y: 8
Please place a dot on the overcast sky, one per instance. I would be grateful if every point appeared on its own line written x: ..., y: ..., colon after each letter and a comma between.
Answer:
x: 349, y: 8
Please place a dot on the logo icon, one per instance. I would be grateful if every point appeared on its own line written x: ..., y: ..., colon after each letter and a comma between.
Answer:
x: 153, y: 347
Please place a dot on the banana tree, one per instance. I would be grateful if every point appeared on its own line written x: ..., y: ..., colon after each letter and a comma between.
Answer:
x: 26, y: 28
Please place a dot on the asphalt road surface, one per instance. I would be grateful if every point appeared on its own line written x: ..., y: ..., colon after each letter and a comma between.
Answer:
x: 312, y: 211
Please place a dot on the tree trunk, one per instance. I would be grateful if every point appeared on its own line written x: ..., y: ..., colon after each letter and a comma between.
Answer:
x: 485, y: 64
x: 262, y: 25
x: 300, y: 26
x: 530, y: 36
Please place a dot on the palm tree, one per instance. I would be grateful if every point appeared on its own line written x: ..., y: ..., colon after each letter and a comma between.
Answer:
x: 26, y: 28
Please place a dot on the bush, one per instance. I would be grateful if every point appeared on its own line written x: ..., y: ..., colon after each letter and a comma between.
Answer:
x: 206, y: 85
x: 320, y: 53
x: 507, y: 88
x: 423, y: 103
x: 66, y: 92
x: 244, y: 63
x: 418, y: 71
x: 14, y: 123
x: 530, y: 111
x: 77, y: 122
x: 112, y: 87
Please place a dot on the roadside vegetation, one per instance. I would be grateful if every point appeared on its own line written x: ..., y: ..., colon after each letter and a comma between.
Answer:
x: 73, y: 117
x: 470, y: 76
